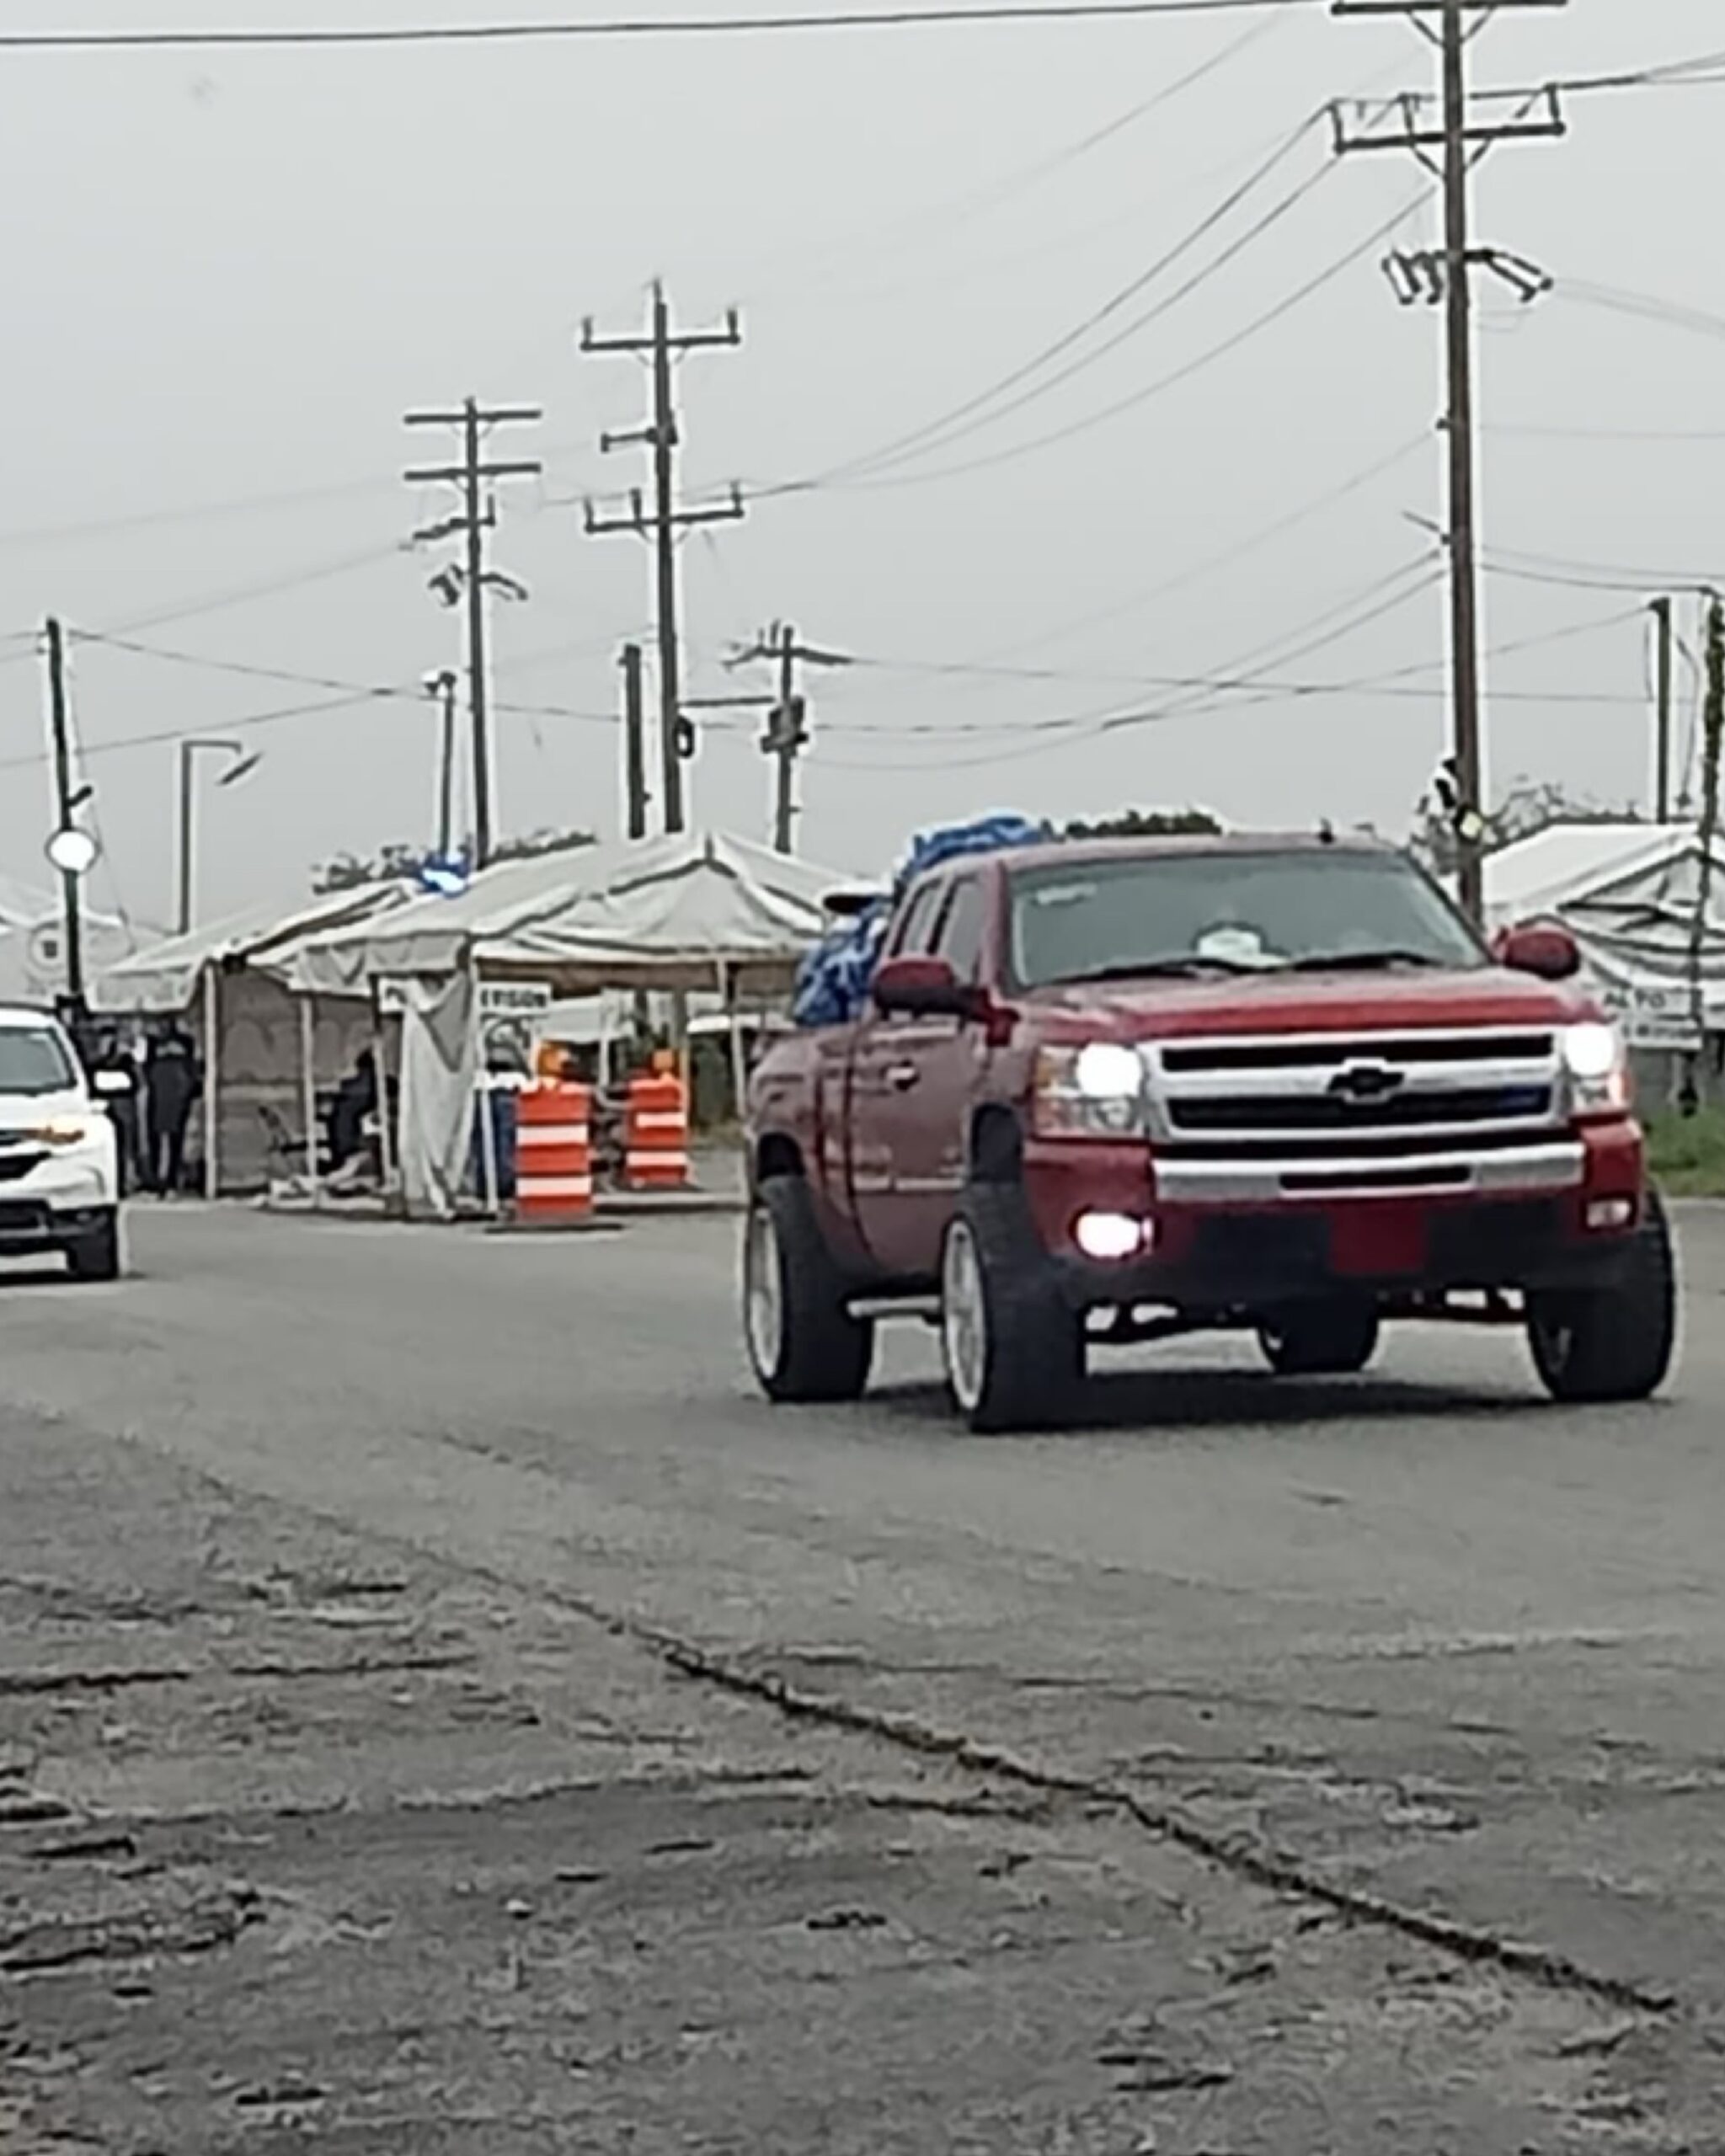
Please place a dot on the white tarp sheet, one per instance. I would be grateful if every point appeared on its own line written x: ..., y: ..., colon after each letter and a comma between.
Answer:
x: 439, y: 1067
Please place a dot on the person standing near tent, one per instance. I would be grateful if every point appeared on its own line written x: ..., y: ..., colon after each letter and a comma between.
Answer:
x: 112, y: 1055
x: 171, y: 1088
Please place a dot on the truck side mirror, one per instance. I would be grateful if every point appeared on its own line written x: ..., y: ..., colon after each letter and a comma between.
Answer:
x: 1547, y: 952
x: 924, y: 988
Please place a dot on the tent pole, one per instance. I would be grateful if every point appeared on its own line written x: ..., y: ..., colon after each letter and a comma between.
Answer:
x: 740, y: 1054
x: 489, y: 1179
x: 386, y: 1134
x: 308, y: 1092
x: 213, y: 1083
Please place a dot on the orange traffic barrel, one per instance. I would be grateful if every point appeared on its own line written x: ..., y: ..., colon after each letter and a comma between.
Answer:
x: 554, y: 1155
x: 656, y: 1137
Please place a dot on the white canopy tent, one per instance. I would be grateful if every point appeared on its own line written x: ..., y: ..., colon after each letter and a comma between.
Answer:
x: 33, y: 943
x: 702, y: 912
x: 1629, y: 894
x: 671, y: 912
x: 229, y: 983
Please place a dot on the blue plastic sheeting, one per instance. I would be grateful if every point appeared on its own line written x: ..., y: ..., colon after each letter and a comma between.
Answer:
x: 834, y: 979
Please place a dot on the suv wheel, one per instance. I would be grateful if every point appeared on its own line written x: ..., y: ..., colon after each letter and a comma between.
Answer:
x: 1014, y: 1352
x: 1321, y: 1340
x: 96, y: 1254
x: 1615, y: 1341
x: 804, y: 1344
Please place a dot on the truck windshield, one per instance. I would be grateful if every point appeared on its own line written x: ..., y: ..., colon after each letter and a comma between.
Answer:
x: 32, y: 1061
x: 1224, y: 913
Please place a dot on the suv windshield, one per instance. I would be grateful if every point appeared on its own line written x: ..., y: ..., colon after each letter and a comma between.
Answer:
x: 34, y: 1060
x: 1233, y: 913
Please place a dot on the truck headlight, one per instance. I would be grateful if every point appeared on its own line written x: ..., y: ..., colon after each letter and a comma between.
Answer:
x: 1597, y: 1064
x: 1093, y: 1092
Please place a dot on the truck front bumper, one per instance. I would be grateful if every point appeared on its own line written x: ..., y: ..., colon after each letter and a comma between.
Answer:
x: 1555, y: 1215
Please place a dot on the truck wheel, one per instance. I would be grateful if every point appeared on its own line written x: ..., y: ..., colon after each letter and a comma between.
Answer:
x: 1616, y: 1342
x: 804, y: 1344
x: 1321, y: 1340
x: 1014, y: 1352
x: 96, y: 1254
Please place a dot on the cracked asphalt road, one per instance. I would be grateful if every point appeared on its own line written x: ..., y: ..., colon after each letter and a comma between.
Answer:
x: 442, y: 1711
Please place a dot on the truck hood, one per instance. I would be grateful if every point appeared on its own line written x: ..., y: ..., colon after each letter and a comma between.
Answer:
x: 1314, y: 1003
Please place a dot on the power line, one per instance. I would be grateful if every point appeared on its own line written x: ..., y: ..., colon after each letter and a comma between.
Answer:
x: 520, y: 33
x: 1041, y: 735
x: 1229, y: 555
x: 1143, y: 395
x: 894, y: 451
x: 243, y: 595
x: 410, y: 694
x: 1009, y: 186
x: 1597, y: 576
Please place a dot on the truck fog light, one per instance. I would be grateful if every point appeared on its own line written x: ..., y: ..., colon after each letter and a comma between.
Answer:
x: 1606, y: 1215
x: 1111, y: 1238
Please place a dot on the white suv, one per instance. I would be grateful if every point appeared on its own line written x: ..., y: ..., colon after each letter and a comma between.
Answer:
x: 59, y: 1151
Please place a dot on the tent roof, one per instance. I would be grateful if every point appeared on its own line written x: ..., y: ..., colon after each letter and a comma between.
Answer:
x: 165, y: 978
x: 433, y: 935
x: 1567, y: 861
x: 676, y: 910
x: 595, y: 916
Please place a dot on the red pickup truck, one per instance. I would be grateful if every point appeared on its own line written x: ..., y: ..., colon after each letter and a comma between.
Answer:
x: 1119, y: 1093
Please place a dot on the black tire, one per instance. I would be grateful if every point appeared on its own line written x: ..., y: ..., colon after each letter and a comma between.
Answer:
x: 96, y: 1256
x: 1321, y: 1340
x: 1615, y: 1343
x: 804, y: 1344
x: 1024, y: 1369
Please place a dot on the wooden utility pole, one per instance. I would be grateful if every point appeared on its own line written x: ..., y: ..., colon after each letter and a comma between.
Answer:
x: 476, y: 516
x: 634, y: 741
x: 444, y: 686
x: 64, y: 809
x: 1450, y: 152
x: 665, y: 522
x: 1707, y: 834
x: 786, y: 734
x: 1661, y: 611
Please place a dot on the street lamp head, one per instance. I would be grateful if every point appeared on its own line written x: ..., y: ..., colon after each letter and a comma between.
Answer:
x: 244, y: 769
x: 73, y: 852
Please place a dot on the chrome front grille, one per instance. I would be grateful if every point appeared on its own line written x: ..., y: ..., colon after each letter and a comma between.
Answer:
x: 1271, y: 1117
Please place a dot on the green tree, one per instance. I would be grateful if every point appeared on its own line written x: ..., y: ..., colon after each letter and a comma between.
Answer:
x: 350, y: 871
x: 1531, y: 806
x: 1148, y: 823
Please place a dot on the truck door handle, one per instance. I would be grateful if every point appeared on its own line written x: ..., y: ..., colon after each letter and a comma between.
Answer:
x: 902, y: 1076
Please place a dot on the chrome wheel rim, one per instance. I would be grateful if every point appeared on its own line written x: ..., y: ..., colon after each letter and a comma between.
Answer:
x: 763, y: 1308
x: 963, y: 1308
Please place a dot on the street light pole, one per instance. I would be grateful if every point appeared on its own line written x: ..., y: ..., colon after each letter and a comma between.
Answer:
x: 239, y: 764
x: 64, y: 809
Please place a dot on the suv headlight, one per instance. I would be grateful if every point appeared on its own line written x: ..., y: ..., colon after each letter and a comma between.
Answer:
x: 1093, y: 1092
x: 1597, y: 1064
x: 64, y: 1131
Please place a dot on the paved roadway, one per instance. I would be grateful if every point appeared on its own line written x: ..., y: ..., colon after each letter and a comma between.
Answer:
x: 442, y: 1709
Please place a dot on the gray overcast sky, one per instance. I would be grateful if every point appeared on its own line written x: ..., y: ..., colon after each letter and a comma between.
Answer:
x: 231, y: 272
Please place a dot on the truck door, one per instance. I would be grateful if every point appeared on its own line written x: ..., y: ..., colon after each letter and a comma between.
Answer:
x: 922, y: 1077
x: 886, y: 1080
